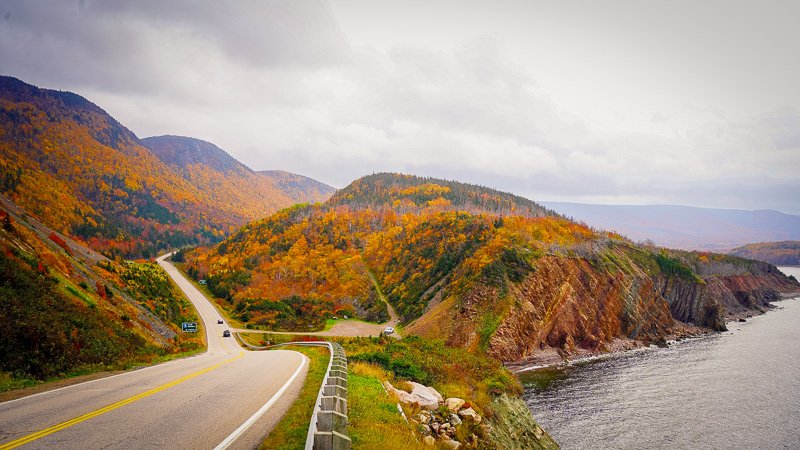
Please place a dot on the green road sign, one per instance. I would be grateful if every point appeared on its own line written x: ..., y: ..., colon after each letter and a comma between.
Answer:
x: 189, y: 327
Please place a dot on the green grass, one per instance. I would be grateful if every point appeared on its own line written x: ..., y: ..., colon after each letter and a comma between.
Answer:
x: 290, y: 433
x: 9, y: 382
x: 75, y: 291
x: 489, y: 323
x: 375, y: 422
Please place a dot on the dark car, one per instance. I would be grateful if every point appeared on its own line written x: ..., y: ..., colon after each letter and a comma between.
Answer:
x: 226, y: 333
x: 220, y: 322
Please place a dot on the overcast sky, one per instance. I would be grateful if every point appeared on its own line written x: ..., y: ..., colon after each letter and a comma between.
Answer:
x: 626, y: 102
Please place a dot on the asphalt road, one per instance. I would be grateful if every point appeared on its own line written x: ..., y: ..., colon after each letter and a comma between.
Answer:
x: 226, y: 396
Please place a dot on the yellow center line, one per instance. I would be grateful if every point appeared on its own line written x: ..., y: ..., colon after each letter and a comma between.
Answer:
x: 55, y: 428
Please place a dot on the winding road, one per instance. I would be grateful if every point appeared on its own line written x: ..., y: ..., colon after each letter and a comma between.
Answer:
x: 224, y: 398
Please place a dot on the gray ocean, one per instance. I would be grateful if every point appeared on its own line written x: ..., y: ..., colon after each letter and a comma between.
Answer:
x: 738, y: 389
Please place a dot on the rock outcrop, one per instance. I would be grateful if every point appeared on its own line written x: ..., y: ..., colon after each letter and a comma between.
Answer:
x: 725, y: 293
x: 567, y: 303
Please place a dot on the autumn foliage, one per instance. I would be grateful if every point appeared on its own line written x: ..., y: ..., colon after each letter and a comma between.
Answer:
x: 327, y: 255
x: 68, y: 163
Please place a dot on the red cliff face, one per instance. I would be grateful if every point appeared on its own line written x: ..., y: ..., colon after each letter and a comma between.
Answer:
x: 727, y: 291
x: 572, y: 304
x: 567, y: 304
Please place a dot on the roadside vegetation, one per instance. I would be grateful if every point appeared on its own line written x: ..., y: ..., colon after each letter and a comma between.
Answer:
x: 69, y: 317
x: 291, y: 432
x: 375, y: 421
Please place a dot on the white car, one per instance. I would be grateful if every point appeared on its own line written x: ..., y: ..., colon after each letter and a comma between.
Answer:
x: 388, y: 330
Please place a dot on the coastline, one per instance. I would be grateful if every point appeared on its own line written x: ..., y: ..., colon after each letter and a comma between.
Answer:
x: 549, y: 358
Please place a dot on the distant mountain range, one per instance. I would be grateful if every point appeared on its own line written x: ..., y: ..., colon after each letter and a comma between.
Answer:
x: 66, y: 161
x: 685, y: 227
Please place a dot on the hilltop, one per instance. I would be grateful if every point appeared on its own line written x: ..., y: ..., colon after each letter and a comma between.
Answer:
x: 66, y: 161
x: 409, y: 193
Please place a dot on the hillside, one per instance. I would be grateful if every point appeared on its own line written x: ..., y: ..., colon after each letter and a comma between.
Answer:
x: 784, y: 253
x: 67, y: 162
x: 510, y: 285
x: 248, y: 195
x: 72, y: 310
x: 685, y: 227
x: 299, y: 188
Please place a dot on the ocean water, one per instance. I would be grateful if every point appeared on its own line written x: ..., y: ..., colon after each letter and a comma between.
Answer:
x: 739, y: 389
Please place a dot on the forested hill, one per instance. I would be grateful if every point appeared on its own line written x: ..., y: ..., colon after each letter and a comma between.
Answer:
x: 410, y: 193
x: 785, y: 253
x: 67, y: 162
x: 248, y: 195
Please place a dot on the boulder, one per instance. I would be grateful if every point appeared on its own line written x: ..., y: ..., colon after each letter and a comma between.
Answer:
x: 429, y: 441
x: 451, y: 444
x: 454, y: 404
x: 424, y: 430
x: 455, y: 420
x: 427, y: 397
x: 470, y: 414
x: 424, y: 396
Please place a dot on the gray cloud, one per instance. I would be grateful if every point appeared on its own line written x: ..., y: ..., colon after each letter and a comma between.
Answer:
x: 282, y: 85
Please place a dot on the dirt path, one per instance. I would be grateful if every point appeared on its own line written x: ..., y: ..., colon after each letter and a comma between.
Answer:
x: 394, y: 319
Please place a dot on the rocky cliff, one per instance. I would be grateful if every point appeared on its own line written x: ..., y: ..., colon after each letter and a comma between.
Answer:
x: 725, y: 288
x: 620, y: 295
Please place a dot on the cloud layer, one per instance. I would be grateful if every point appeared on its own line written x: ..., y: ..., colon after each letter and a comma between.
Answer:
x: 281, y: 85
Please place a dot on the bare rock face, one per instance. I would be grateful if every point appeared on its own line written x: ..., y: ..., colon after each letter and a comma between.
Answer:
x: 567, y: 303
x: 707, y: 303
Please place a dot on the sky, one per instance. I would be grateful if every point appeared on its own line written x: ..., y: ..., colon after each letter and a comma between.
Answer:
x: 691, y: 102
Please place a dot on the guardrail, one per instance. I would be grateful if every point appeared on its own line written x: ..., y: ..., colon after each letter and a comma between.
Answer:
x: 327, y: 429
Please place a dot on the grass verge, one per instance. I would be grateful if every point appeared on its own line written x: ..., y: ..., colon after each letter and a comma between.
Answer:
x: 375, y: 422
x: 290, y: 433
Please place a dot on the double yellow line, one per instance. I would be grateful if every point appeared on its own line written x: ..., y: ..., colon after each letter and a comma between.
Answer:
x: 55, y: 428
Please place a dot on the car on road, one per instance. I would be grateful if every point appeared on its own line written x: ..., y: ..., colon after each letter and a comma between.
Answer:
x: 388, y: 330
x: 226, y: 333
x: 220, y: 322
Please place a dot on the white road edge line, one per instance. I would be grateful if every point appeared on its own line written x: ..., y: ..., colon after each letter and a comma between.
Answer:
x: 249, y: 422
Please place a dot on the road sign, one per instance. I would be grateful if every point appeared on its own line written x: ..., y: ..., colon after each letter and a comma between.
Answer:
x: 189, y: 327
